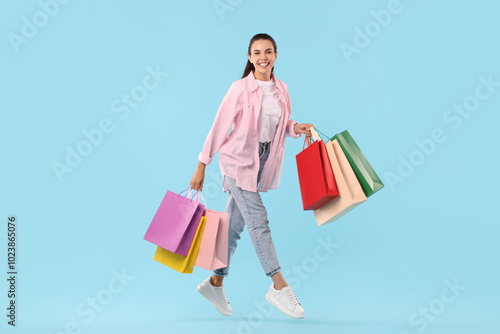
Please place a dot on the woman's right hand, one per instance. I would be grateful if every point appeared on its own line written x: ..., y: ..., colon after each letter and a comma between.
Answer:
x: 198, y: 177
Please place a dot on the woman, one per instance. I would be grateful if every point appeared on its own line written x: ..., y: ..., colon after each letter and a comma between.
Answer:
x: 257, y: 108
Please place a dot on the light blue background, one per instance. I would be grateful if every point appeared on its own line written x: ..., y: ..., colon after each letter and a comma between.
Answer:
x: 393, y: 253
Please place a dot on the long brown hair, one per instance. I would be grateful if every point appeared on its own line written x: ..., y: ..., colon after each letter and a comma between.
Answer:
x: 257, y: 37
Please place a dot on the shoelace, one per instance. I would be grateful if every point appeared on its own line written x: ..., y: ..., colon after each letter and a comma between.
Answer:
x: 223, y: 293
x: 292, y: 298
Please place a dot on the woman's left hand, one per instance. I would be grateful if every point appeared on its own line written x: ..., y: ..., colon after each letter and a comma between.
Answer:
x: 303, y: 128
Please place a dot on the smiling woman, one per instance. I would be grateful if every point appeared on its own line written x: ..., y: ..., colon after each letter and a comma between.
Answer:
x: 262, y: 54
x: 257, y: 107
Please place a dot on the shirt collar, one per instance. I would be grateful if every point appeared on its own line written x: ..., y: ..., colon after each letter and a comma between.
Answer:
x: 253, y: 85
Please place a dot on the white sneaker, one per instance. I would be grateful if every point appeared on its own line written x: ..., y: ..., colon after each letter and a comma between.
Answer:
x: 216, y: 295
x: 285, y: 301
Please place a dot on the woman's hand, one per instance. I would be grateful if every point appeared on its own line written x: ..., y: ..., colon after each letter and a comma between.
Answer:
x: 198, y: 177
x: 303, y: 128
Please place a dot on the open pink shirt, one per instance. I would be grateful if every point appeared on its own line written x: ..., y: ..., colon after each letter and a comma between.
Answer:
x: 239, y: 150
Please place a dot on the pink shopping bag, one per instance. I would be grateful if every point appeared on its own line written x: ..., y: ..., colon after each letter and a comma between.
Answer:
x: 214, y: 243
x: 350, y: 190
x: 175, y: 223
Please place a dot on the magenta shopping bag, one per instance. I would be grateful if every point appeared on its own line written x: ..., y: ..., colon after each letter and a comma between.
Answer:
x: 175, y: 223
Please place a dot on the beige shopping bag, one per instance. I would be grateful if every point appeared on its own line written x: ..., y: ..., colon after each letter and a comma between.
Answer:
x: 350, y: 191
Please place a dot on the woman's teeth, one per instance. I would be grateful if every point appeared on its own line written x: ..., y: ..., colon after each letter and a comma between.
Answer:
x: 264, y: 65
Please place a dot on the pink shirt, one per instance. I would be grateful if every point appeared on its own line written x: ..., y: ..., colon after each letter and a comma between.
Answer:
x: 239, y: 150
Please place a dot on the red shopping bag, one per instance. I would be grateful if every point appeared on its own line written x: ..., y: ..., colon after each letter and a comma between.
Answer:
x: 316, y: 179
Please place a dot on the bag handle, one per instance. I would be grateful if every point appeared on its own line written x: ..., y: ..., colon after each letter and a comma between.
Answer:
x: 306, y: 140
x: 198, y: 194
x: 328, y: 137
x: 190, y: 194
x: 314, y: 134
x: 183, y: 191
x: 203, y: 199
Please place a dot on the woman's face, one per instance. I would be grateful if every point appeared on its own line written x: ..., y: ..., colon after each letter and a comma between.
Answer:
x: 262, y: 53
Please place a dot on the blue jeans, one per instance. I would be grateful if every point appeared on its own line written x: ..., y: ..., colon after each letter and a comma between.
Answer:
x: 246, y: 208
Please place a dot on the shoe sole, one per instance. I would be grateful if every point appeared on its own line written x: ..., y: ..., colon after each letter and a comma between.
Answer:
x: 275, y: 303
x: 208, y: 295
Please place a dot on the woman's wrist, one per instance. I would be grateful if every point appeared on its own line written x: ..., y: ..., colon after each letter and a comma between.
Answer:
x: 295, y: 128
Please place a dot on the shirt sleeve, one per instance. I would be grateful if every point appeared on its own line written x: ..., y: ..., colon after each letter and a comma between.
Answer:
x: 221, y: 126
x: 290, y: 132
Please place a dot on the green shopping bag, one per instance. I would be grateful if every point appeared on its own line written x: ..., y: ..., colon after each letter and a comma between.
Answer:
x: 369, y: 180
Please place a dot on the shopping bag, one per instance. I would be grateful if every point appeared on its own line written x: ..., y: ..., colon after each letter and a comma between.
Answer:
x: 175, y: 223
x: 369, y: 180
x: 316, y: 179
x: 183, y: 264
x: 350, y: 192
x: 214, y: 243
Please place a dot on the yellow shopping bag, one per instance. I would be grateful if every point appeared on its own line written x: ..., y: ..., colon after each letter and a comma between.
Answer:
x: 183, y: 264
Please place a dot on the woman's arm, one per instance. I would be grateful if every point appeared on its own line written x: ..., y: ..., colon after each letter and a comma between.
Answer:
x: 216, y: 136
x: 198, y: 177
x: 303, y: 128
x: 290, y: 129
x: 221, y: 126
x: 294, y: 129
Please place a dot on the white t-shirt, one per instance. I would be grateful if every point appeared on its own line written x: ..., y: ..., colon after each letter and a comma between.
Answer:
x: 270, y: 111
